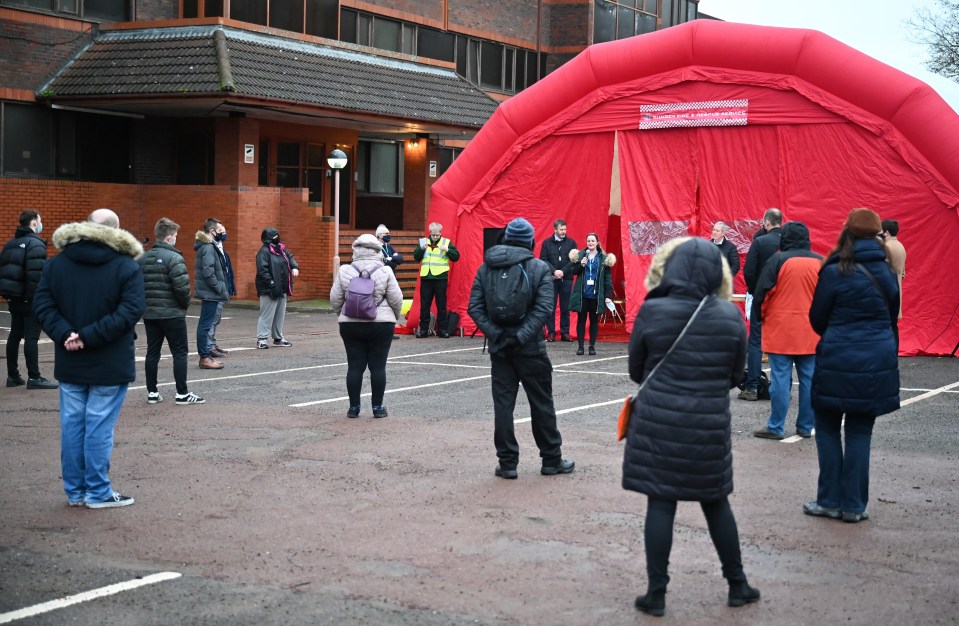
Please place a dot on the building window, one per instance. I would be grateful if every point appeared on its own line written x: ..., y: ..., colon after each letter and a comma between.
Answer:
x: 97, y: 10
x: 619, y: 19
x: 263, y: 164
x: 379, y: 168
x: 288, y: 165
x: 316, y: 167
x: 27, y: 140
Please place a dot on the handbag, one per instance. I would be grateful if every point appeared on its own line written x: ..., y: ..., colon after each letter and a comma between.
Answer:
x: 622, y: 424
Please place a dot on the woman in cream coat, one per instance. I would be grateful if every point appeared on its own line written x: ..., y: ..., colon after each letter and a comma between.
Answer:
x: 367, y: 342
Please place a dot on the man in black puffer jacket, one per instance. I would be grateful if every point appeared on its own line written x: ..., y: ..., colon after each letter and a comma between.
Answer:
x: 518, y: 352
x: 21, y: 264
x: 166, y: 283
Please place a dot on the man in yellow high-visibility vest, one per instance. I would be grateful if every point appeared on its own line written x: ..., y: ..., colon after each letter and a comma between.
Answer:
x: 434, y: 253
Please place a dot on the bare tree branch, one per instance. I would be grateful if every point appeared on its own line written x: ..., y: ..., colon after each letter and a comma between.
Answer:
x: 938, y: 29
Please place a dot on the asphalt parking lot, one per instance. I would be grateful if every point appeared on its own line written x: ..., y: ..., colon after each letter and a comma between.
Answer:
x: 273, y: 508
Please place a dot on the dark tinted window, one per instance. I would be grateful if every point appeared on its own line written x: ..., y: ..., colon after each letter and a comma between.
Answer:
x: 252, y: 11
x: 107, y: 10
x: 27, y: 138
x: 435, y: 44
x: 321, y: 18
x: 386, y: 34
x: 348, y: 26
x: 604, y: 24
x: 213, y: 8
x: 492, y: 71
x: 287, y: 14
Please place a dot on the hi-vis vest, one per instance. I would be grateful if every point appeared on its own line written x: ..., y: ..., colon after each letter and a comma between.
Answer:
x: 435, y: 262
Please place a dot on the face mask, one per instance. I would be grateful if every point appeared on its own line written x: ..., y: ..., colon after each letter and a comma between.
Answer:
x: 39, y: 228
x: 219, y: 237
x: 173, y: 243
x: 386, y: 238
x: 276, y: 239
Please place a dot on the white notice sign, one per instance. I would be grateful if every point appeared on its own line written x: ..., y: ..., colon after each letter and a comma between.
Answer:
x: 248, y: 153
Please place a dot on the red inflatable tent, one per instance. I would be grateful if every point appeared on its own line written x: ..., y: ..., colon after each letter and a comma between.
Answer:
x: 660, y: 135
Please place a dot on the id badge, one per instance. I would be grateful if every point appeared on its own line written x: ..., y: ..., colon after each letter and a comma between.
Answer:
x: 590, y: 282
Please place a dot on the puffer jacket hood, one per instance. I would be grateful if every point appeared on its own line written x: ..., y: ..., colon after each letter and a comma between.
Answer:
x: 94, y: 237
x: 794, y: 236
x: 694, y: 269
x: 505, y: 255
x: 268, y: 234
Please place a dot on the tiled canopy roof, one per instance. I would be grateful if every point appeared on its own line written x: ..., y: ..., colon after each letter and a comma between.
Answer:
x: 227, y: 62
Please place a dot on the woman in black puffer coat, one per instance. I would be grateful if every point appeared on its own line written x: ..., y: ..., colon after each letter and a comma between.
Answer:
x: 857, y: 367
x: 275, y: 269
x: 678, y: 447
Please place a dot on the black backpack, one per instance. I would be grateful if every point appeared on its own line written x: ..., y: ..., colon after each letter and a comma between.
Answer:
x: 507, y: 294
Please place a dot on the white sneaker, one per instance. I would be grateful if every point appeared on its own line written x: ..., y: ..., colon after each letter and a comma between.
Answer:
x: 153, y: 397
x: 261, y: 344
x: 189, y: 398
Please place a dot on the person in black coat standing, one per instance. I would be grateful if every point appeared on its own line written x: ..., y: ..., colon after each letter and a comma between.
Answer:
x: 21, y: 263
x: 678, y: 445
x: 854, y: 310
x: 761, y: 249
x: 555, y: 253
x: 728, y: 248
x: 275, y: 270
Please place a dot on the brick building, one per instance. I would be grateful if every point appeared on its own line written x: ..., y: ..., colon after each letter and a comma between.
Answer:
x: 228, y: 108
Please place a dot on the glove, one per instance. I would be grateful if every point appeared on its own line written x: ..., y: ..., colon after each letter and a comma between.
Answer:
x: 508, y: 341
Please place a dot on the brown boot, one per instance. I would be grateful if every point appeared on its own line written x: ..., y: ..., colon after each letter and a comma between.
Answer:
x: 207, y: 363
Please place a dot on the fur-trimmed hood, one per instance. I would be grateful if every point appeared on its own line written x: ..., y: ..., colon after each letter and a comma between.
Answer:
x: 609, y: 259
x: 116, y: 239
x: 202, y: 238
x: 686, y: 266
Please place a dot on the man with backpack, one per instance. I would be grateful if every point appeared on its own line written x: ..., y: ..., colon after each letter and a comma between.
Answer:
x: 511, y: 299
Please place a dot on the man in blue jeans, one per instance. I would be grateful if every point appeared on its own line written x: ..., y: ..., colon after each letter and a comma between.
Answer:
x: 764, y: 245
x: 210, y: 288
x: 782, y: 300
x: 89, y: 300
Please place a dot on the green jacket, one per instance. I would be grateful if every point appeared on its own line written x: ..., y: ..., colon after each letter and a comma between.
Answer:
x: 604, y: 283
x: 166, y: 282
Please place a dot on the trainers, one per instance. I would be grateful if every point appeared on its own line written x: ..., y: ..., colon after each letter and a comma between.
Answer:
x: 15, y: 381
x: 765, y: 433
x: 805, y: 434
x: 41, y: 383
x: 580, y: 352
x: 506, y: 473
x: 112, y: 502
x: 281, y: 343
x: 353, y: 411
x: 813, y: 508
x: 852, y: 518
x: 75, y: 502
x: 379, y: 410
x: 261, y: 344
x: 747, y: 394
x: 189, y: 398
x: 563, y: 467
x: 153, y: 397
x: 592, y: 351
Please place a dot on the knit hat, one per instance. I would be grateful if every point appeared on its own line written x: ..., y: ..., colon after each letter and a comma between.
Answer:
x: 520, y: 231
x: 367, y: 241
x: 864, y: 223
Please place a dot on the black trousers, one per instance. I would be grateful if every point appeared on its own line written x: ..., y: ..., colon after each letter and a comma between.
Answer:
x: 430, y: 289
x: 562, y: 289
x: 172, y: 329
x: 23, y: 325
x: 367, y: 346
x: 588, y: 310
x: 536, y: 374
x: 658, y: 536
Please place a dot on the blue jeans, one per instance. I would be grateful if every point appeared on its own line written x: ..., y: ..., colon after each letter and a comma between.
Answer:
x: 754, y: 354
x: 780, y: 391
x: 208, y: 310
x: 843, y: 477
x: 88, y: 414
x: 216, y: 322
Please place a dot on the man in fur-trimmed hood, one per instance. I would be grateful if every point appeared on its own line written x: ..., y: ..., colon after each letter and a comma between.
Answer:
x: 89, y: 299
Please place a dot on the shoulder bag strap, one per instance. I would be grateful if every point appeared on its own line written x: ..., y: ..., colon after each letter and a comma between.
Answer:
x: 875, y: 283
x: 672, y: 347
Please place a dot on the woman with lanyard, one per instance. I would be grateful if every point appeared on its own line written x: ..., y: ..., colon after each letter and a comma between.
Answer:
x: 594, y: 285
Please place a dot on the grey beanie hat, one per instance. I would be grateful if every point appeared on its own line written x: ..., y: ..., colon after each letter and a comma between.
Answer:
x: 519, y: 230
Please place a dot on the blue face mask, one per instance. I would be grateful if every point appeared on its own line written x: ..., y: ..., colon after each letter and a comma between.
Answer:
x: 386, y: 238
x: 39, y: 228
x: 221, y: 237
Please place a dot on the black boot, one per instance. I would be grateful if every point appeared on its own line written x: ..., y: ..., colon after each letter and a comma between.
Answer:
x: 653, y: 603
x: 740, y: 593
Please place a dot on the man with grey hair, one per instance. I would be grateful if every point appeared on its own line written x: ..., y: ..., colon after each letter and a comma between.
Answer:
x: 391, y: 257
x: 434, y: 253
x: 89, y: 300
x: 727, y: 247
x: 763, y: 247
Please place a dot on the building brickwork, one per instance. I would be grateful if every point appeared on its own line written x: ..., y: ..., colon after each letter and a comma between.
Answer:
x: 487, y: 18
x: 569, y: 25
x: 157, y: 10
x: 30, y: 53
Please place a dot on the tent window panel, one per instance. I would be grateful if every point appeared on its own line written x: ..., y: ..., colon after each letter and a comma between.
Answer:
x: 646, y: 237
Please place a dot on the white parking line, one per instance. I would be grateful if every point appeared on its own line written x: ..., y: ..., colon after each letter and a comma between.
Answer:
x: 929, y: 394
x: 163, y: 357
x: 85, y: 596
x: 445, y: 382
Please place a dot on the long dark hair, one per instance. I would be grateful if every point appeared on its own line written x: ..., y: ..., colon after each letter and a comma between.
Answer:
x: 599, y: 247
x: 846, y: 251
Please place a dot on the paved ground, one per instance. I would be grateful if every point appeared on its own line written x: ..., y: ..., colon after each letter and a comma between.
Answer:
x: 276, y: 509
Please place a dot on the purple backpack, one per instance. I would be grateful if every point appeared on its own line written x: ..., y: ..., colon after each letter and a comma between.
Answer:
x: 359, y: 303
